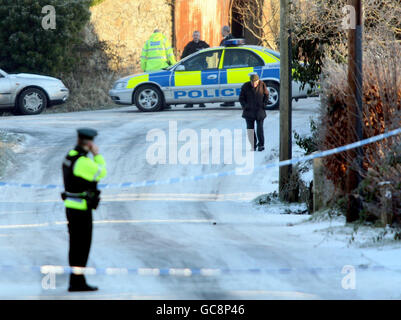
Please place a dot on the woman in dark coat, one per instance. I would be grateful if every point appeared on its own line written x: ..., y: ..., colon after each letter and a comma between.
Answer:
x: 253, y: 98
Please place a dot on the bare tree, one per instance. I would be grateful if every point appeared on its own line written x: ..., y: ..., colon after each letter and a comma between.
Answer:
x: 323, y: 21
x: 261, y: 18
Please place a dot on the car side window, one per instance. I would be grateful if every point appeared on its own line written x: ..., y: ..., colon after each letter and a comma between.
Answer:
x: 203, y: 61
x: 240, y: 58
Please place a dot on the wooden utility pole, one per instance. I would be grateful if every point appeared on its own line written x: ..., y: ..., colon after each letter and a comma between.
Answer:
x: 285, y: 101
x: 354, y: 110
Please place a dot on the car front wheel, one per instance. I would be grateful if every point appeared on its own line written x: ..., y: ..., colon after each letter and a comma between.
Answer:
x: 32, y: 101
x: 274, y: 96
x: 148, y: 98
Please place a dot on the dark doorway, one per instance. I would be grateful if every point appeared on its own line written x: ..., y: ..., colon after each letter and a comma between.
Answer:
x: 237, y: 22
x: 237, y: 28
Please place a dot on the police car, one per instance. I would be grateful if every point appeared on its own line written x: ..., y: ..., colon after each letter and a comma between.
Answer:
x: 211, y: 75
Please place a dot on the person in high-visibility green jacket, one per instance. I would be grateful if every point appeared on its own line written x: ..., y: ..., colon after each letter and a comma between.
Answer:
x: 81, y: 175
x: 157, y: 53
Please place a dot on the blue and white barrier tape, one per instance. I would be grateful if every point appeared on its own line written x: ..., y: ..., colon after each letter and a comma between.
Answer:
x: 183, y: 272
x: 148, y: 183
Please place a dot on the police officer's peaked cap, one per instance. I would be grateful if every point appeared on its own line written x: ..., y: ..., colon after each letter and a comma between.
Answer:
x: 87, y: 133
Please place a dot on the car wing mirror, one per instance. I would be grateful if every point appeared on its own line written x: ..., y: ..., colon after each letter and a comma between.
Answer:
x: 180, y: 68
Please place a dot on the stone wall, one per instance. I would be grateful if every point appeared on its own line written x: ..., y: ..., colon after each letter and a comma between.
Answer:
x: 127, y: 24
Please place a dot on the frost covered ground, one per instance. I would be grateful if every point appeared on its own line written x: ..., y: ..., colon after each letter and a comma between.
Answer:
x: 194, y: 224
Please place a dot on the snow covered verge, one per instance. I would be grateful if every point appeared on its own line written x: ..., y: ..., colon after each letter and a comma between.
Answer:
x: 332, y: 225
x: 10, y: 144
x: 328, y: 229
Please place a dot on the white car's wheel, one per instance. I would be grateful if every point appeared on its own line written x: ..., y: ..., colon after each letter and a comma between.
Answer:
x: 148, y: 98
x: 274, y: 96
x: 32, y: 101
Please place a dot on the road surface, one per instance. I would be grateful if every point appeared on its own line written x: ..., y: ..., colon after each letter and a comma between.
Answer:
x: 203, y: 224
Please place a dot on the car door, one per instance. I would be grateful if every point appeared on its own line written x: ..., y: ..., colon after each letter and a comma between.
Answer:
x: 5, y: 91
x: 196, y: 79
x: 237, y: 64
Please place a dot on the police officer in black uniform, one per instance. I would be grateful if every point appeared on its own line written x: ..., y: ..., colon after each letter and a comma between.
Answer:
x: 225, y: 32
x: 194, y: 46
x: 81, y: 175
x: 226, y: 36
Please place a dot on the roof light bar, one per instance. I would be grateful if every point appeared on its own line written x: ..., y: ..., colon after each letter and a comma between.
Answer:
x: 234, y: 42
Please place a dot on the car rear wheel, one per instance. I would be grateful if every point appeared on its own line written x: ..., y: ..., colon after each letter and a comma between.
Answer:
x: 148, y: 98
x: 274, y: 96
x: 31, y: 101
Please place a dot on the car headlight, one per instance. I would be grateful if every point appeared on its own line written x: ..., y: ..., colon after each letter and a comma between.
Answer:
x: 120, y: 85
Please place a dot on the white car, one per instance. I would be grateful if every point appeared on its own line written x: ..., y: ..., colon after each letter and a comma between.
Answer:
x: 29, y: 93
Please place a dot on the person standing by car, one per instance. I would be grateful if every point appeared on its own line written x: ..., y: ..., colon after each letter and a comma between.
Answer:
x: 194, y: 46
x: 226, y: 36
x: 253, y: 98
x: 81, y: 175
x: 157, y: 53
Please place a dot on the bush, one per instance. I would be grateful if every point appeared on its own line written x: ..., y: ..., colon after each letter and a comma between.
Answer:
x: 381, y: 112
x: 96, y: 2
x: 308, y: 143
x: 92, y: 78
x: 381, y: 189
x: 27, y: 47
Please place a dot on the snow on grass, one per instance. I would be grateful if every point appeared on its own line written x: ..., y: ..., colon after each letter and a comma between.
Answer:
x: 10, y: 144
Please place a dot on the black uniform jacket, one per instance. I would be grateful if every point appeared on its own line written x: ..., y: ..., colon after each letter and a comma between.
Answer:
x: 253, y: 101
x: 193, y: 47
x: 229, y: 37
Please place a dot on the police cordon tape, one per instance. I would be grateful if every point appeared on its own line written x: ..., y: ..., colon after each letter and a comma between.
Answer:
x: 238, y: 171
x: 188, y: 272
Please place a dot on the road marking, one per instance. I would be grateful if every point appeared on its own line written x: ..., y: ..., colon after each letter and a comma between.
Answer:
x: 17, y: 212
x: 199, y: 197
x: 61, y: 146
x: 150, y: 221
x: 154, y: 221
x: 194, y: 197
x: 18, y: 226
x: 119, y: 296
x: 73, y: 122
x: 278, y: 294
